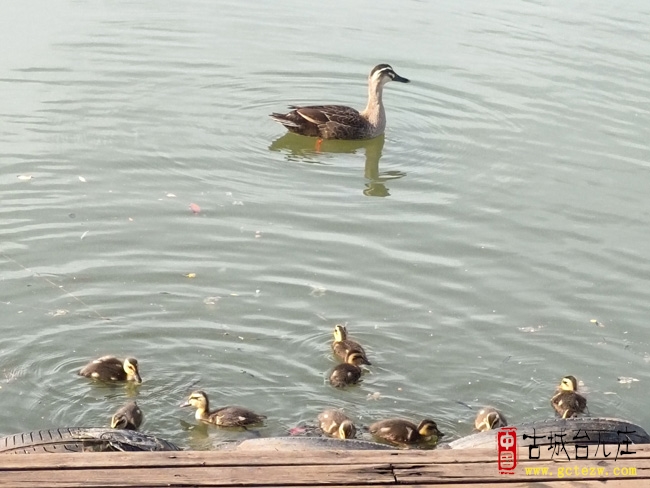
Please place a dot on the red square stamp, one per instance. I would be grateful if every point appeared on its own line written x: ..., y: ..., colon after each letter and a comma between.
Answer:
x: 507, y: 449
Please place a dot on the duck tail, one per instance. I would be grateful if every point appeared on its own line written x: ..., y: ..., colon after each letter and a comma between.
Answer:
x: 284, y: 119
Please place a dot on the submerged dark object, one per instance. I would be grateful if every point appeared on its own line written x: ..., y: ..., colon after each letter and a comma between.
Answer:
x: 79, y: 439
x: 575, y: 430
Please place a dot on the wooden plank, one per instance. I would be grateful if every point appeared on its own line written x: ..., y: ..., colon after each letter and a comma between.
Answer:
x: 250, y: 477
x: 305, y: 469
x: 480, y: 473
x: 224, y: 476
x: 274, y: 458
x: 306, y: 475
x: 233, y: 458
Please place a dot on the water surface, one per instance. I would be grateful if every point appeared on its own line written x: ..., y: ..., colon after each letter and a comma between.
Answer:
x: 468, y: 249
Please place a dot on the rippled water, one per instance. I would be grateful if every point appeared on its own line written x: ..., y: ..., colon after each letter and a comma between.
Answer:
x: 468, y: 250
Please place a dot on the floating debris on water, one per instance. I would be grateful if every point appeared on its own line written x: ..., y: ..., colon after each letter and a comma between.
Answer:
x: 317, y: 291
x: 373, y: 396
x: 58, y: 313
x: 595, y: 322
x: 626, y: 379
x: 531, y: 329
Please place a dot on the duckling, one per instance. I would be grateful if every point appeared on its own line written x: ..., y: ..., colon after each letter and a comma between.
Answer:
x: 342, y: 345
x: 402, y: 432
x: 335, y: 423
x: 224, y: 416
x: 127, y: 417
x: 347, y: 373
x: 567, y: 402
x: 489, y: 418
x: 109, y: 368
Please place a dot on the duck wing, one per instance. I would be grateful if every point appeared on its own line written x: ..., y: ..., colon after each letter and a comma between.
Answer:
x: 343, y: 348
x: 106, y: 367
x: 394, y: 430
x: 326, y: 121
x: 322, y: 114
x: 235, y: 417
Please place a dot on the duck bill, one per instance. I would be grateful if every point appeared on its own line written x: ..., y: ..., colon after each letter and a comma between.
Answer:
x: 401, y: 79
x: 184, y: 404
x: 138, y: 378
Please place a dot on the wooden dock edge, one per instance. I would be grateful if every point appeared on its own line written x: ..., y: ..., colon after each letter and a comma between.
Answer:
x: 307, y: 468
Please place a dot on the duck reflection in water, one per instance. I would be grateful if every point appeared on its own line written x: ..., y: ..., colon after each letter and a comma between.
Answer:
x: 303, y: 149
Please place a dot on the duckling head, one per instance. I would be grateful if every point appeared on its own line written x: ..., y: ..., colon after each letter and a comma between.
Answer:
x: 428, y: 428
x: 489, y: 418
x: 198, y: 400
x: 347, y: 430
x: 127, y: 417
x: 119, y: 421
x: 131, y: 369
x: 340, y: 333
x: 569, y: 383
x: 493, y: 421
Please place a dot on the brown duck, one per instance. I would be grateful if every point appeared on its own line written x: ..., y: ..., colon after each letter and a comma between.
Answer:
x: 404, y: 433
x: 127, y: 417
x: 339, y: 121
x: 223, y: 417
x: 342, y: 346
x: 489, y: 418
x: 335, y: 423
x: 110, y: 368
x: 347, y: 373
x: 567, y: 402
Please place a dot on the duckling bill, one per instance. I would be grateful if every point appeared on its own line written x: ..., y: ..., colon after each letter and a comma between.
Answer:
x: 401, y: 432
x: 230, y: 416
x: 342, y: 346
x: 339, y: 121
x: 567, y: 402
x: 127, y: 417
x: 110, y: 368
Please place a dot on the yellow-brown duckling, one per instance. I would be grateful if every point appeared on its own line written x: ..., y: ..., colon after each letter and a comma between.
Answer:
x: 342, y: 346
x: 567, y: 402
x: 347, y: 373
x: 110, y: 368
x: 404, y: 433
x: 127, y: 417
x: 335, y: 423
x: 224, y: 416
x: 489, y: 418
